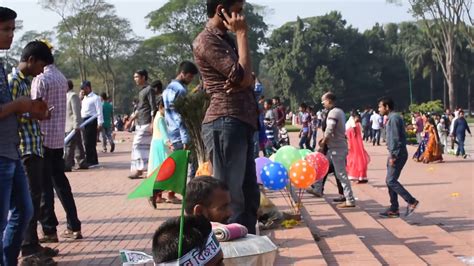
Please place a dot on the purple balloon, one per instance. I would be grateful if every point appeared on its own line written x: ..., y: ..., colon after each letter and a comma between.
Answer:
x: 259, y: 164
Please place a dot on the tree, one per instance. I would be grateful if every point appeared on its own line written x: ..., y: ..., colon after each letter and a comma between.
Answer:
x: 445, y: 16
x: 178, y: 22
x: 92, y: 34
x: 312, y: 55
x: 72, y: 30
x: 422, y: 60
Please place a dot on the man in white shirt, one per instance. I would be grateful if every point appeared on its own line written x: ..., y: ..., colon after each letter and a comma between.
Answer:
x: 91, y: 106
x: 376, y: 121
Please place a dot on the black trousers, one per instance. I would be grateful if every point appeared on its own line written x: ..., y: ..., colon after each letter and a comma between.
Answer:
x: 90, y: 142
x: 34, y: 170
x: 230, y: 145
x: 54, y: 177
x: 75, y: 149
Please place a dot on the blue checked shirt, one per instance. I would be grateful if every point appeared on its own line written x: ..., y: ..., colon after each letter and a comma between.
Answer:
x: 176, y: 129
x: 31, y: 141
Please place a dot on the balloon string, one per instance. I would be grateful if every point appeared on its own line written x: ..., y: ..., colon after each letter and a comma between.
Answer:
x: 286, y: 200
x: 288, y: 193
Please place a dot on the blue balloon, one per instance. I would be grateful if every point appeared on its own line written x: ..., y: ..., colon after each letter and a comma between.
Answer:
x: 274, y: 176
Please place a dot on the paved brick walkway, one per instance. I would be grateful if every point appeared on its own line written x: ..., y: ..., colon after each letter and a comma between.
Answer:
x: 441, y: 229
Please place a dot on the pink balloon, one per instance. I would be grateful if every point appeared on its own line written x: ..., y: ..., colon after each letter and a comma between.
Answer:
x: 319, y: 162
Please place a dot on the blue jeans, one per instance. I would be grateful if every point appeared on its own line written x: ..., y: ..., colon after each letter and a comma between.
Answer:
x: 460, y: 138
x: 14, y: 197
x: 229, y: 143
x: 376, y: 136
x: 396, y: 189
x: 304, y: 141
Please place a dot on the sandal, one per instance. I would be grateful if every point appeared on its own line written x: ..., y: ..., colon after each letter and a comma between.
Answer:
x: 173, y: 201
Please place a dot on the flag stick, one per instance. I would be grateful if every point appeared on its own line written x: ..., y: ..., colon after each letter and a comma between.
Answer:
x: 181, y: 223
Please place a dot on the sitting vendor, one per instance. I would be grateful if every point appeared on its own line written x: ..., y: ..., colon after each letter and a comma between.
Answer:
x: 209, y: 197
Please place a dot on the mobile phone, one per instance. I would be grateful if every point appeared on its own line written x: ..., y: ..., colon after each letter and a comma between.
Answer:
x: 221, y: 15
x: 51, y: 108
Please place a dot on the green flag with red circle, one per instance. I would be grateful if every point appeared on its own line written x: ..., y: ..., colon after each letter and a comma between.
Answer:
x: 170, y: 176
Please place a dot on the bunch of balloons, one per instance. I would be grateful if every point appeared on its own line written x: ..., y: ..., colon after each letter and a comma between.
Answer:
x: 300, y: 167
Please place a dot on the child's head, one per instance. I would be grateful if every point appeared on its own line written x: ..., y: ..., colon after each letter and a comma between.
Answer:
x: 209, y: 197
x: 34, y: 57
x: 161, y: 105
x: 268, y: 104
x: 199, y: 245
x: 303, y: 107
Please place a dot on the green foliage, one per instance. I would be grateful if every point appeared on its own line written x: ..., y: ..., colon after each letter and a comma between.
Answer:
x: 427, y: 107
x: 178, y: 22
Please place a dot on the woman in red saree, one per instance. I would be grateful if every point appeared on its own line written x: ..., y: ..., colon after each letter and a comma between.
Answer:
x: 357, y: 158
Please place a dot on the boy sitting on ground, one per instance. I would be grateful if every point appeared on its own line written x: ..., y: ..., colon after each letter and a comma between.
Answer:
x: 199, y: 245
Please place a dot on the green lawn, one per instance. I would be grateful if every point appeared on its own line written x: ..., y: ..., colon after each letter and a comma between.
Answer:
x: 292, y: 128
x: 470, y: 120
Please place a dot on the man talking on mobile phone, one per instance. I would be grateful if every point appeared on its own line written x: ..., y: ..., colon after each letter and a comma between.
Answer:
x: 231, y: 119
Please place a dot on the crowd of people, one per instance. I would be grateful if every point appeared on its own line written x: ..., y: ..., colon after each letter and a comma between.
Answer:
x: 439, y: 134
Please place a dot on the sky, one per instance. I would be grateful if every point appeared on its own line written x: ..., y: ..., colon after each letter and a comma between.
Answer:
x: 358, y: 13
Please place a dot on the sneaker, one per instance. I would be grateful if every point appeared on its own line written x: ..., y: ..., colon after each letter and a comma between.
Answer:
x: 464, y: 156
x: 72, y: 234
x: 346, y: 205
x: 389, y: 214
x: 340, y: 199
x: 314, y: 193
x: 112, y: 147
x: 37, y: 259
x: 52, y: 238
x: 411, y: 208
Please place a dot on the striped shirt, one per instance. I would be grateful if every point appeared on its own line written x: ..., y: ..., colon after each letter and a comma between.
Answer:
x: 30, y: 134
x: 52, y: 87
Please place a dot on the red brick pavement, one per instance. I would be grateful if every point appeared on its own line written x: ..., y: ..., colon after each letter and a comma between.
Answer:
x: 111, y: 222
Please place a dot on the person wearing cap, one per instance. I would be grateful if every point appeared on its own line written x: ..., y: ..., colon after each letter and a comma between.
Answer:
x: 91, y: 107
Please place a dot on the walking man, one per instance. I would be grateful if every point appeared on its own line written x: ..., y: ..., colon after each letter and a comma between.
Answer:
x: 398, y: 155
x: 231, y: 119
x: 459, y: 132
x: 335, y: 141
x: 376, y: 122
x: 52, y: 87
x: 143, y: 117
x: 107, y: 127
x: 74, y: 148
x: 91, y: 106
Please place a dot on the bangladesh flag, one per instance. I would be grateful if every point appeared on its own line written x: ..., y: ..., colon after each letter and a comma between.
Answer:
x: 171, y: 175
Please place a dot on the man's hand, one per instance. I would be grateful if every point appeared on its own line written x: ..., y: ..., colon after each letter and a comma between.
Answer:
x: 39, y: 110
x: 235, y: 23
x: 170, y: 145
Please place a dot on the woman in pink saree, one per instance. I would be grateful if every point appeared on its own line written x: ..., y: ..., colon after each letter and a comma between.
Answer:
x: 357, y: 158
